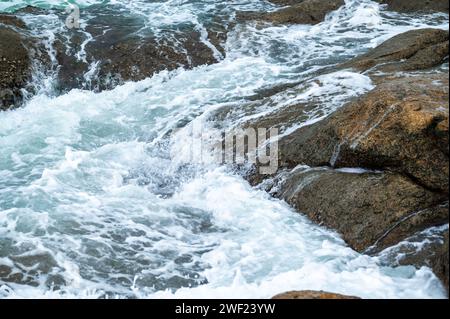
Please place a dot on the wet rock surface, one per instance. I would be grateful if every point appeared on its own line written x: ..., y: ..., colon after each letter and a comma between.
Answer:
x: 366, y: 208
x: 402, y: 125
x: 439, y: 261
x: 106, y: 52
x: 114, y: 57
x: 310, y: 294
x: 12, y: 20
x: 413, y: 50
x: 424, y: 248
x: 14, y: 67
x: 305, y: 12
x: 416, y: 5
x: 286, y: 2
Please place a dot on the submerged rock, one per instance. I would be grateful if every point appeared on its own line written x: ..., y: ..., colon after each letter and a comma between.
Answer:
x: 439, y: 261
x: 310, y: 294
x: 416, y: 5
x: 22, y: 55
x: 135, y: 59
x: 305, y: 12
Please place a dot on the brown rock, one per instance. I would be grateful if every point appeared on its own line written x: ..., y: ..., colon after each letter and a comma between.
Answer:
x: 402, y: 125
x: 310, y: 294
x: 364, y: 207
x: 305, y: 12
x: 416, y: 5
x: 121, y: 54
x: 412, y: 50
x: 12, y: 20
x: 286, y: 2
x: 439, y: 262
x: 134, y: 60
x: 413, y: 224
x: 129, y: 58
x: 424, y: 248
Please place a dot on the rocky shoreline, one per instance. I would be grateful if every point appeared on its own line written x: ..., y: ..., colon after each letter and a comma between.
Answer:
x: 376, y: 170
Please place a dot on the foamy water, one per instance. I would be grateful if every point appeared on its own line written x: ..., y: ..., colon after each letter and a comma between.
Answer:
x: 92, y: 204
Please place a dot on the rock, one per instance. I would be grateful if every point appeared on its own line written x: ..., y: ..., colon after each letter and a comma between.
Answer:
x: 305, y: 12
x: 14, y: 68
x: 416, y: 5
x: 424, y: 248
x: 115, y: 53
x: 395, y: 139
x: 121, y: 55
x: 414, y: 224
x: 23, y: 54
x: 401, y: 125
x: 310, y: 294
x: 439, y: 262
x: 412, y: 50
x: 31, y: 10
x: 364, y: 207
x: 286, y: 2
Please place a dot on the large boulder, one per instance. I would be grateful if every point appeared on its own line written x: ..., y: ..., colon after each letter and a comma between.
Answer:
x: 416, y: 5
x: 15, y: 67
x: 401, y: 125
x: 366, y: 208
x: 305, y: 12
x: 311, y: 294
x: 395, y: 141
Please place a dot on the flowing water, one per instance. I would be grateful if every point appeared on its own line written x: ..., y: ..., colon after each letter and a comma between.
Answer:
x: 95, y: 202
